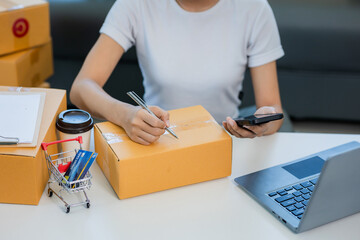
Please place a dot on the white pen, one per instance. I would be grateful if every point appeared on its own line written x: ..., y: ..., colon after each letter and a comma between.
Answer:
x: 141, y: 103
x: 8, y: 140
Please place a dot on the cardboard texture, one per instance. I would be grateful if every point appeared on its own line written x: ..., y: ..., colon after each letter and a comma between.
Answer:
x: 28, y: 68
x: 23, y: 24
x: 23, y: 171
x: 203, y: 152
x: 43, y: 85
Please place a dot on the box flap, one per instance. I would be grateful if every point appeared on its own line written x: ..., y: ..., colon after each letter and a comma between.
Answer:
x: 9, y: 5
x: 193, y: 126
x: 14, y: 57
x: 53, y: 99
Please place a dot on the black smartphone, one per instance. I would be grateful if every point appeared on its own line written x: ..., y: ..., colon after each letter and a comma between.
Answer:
x: 257, y: 119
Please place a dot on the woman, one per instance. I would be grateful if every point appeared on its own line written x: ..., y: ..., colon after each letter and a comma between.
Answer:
x: 190, y: 52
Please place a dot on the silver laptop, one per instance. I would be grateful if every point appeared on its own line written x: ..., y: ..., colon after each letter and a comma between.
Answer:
x: 310, y: 191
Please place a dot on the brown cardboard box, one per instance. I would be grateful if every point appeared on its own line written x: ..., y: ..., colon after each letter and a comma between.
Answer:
x: 202, y: 152
x: 23, y: 24
x: 23, y: 171
x: 28, y: 68
x: 43, y: 85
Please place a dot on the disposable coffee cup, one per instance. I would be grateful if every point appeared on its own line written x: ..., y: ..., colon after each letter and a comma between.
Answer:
x: 71, y: 124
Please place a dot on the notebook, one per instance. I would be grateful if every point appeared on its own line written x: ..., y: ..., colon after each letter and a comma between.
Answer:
x: 311, y: 191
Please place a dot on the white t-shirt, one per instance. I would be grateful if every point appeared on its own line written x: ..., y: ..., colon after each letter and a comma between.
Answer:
x: 195, y: 58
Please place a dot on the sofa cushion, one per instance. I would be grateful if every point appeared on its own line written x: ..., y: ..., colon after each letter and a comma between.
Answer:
x: 319, y: 34
x: 75, y: 27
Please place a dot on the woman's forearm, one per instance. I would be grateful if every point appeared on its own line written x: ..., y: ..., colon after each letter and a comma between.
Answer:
x: 88, y: 95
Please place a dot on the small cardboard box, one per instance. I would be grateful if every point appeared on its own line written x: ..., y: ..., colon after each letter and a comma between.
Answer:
x: 23, y: 170
x: 28, y: 68
x: 43, y: 85
x: 202, y: 152
x: 23, y: 24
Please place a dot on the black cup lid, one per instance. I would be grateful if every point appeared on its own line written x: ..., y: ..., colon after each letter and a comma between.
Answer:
x: 74, y: 121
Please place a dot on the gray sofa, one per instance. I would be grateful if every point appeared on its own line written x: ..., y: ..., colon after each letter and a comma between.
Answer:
x: 319, y: 76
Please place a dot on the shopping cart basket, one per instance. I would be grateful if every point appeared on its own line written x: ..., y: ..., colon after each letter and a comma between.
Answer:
x: 56, y: 164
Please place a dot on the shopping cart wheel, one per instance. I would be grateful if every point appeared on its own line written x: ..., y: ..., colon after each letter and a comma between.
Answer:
x: 68, y: 209
x: 50, y: 193
x: 88, y: 205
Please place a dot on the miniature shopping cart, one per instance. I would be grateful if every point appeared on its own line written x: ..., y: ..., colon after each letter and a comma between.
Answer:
x: 56, y: 164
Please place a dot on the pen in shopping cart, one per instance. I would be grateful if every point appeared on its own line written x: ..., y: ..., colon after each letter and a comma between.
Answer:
x: 141, y: 103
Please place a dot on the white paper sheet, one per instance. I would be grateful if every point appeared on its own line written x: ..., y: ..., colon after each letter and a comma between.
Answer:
x: 19, y: 114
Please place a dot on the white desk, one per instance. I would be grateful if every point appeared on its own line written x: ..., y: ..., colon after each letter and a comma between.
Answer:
x: 216, y: 209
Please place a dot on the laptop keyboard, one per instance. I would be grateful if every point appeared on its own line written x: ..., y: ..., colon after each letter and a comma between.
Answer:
x: 296, y: 197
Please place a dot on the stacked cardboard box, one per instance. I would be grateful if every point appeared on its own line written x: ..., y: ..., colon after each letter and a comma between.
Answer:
x: 25, y: 44
x: 23, y: 171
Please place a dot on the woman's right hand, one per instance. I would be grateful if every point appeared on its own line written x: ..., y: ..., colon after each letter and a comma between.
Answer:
x: 144, y: 128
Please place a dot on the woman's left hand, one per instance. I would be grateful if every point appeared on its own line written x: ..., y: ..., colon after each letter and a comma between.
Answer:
x: 253, y: 131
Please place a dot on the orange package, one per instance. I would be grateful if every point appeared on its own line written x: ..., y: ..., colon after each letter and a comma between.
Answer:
x: 27, y: 68
x: 23, y: 170
x: 23, y: 24
x: 203, y: 152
